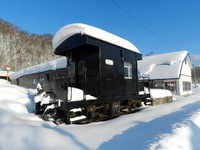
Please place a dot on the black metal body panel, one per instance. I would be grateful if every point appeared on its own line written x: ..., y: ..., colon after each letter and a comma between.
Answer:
x: 71, y: 43
x: 74, y: 104
x: 102, y: 80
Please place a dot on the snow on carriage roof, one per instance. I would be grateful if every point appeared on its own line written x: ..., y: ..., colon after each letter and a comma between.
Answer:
x: 50, y: 65
x: 164, y: 66
x: 72, y: 29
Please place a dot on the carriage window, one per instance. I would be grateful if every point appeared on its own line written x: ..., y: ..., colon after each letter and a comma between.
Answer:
x: 109, y: 62
x: 127, y: 70
x: 41, y: 79
x: 81, y: 67
x: 34, y: 81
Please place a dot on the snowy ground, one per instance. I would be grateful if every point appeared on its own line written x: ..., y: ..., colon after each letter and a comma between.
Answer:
x: 169, y: 126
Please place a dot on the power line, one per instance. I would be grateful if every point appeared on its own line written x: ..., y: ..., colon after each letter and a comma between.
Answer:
x: 145, y: 27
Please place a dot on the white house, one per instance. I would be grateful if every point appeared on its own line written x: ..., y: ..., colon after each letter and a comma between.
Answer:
x: 170, y: 71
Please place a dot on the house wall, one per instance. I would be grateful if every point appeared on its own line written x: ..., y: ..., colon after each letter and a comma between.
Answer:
x: 184, y: 84
x: 170, y: 85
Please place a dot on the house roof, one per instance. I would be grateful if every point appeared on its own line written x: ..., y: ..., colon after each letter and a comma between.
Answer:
x: 79, y: 28
x: 164, y: 66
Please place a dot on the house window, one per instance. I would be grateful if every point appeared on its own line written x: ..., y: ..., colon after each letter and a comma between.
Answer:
x: 170, y: 86
x: 127, y: 70
x: 186, y: 86
x: 159, y: 85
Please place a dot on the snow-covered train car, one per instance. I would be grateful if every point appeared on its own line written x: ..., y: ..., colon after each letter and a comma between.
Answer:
x: 99, y: 66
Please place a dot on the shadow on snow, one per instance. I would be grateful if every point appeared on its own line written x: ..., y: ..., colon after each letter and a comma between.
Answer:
x: 60, y: 131
x: 149, y: 132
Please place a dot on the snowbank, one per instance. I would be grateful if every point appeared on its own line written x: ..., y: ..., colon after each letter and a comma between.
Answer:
x: 76, y: 94
x: 13, y: 98
x: 174, y: 125
x: 185, y: 135
x: 159, y: 93
x: 78, y: 28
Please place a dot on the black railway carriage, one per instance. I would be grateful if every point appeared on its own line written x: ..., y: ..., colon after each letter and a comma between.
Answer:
x: 103, y: 70
x: 98, y: 65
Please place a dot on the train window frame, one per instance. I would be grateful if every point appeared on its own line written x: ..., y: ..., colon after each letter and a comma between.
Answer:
x: 109, y: 62
x: 128, y: 73
x: 81, y: 67
x: 42, y: 79
x: 34, y: 81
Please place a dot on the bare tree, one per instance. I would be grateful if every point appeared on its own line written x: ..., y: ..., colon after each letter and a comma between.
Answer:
x: 21, y: 49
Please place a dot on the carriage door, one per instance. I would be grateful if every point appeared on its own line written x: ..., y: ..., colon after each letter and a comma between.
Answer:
x: 88, y: 74
x: 82, y: 76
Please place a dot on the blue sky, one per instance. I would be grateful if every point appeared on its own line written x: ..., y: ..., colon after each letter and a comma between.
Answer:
x: 158, y: 26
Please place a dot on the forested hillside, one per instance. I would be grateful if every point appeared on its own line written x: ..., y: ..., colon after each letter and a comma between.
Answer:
x: 196, y: 74
x: 20, y: 49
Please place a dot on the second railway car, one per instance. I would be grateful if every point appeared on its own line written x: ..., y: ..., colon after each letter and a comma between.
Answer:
x: 98, y: 65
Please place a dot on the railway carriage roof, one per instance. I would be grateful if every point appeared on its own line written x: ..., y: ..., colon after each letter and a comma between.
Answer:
x: 78, y: 28
x: 50, y: 65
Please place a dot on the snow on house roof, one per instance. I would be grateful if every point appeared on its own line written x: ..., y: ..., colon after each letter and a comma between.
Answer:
x: 78, y: 28
x: 50, y: 65
x: 164, y: 66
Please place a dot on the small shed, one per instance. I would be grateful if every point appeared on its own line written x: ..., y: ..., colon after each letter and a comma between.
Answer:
x: 171, y: 71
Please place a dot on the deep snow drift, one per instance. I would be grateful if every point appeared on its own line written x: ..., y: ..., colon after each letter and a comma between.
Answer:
x: 174, y: 125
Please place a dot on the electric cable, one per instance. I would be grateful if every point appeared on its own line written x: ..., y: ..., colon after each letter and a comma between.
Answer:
x: 145, y: 27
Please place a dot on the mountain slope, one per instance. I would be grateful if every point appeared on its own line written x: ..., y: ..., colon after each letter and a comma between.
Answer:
x: 19, y: 49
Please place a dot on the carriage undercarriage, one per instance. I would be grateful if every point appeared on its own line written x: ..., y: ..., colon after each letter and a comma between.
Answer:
x: 58, y: 111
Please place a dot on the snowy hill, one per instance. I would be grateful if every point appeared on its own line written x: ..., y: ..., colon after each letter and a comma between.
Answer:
x: 20, y: 49
x: 174, y: 125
